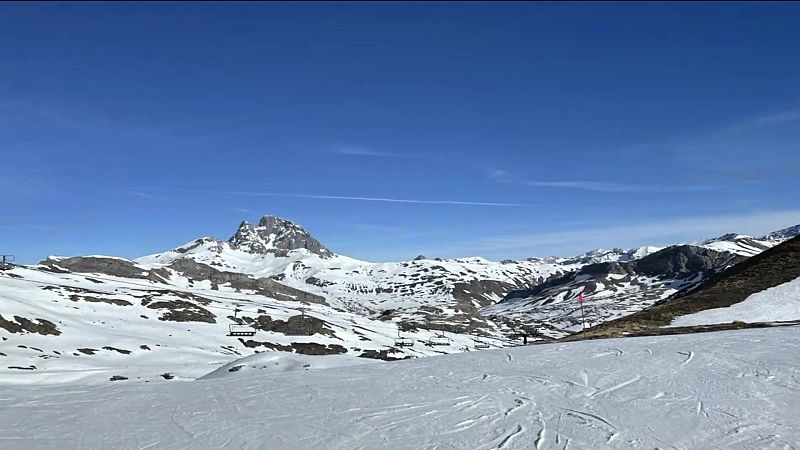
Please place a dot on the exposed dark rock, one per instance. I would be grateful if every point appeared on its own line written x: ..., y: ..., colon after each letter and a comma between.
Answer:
x: 381, y: 354
x: 167, y: 376
x: 305, y: 348
x: 675, y: 262
x: 778, y: 265
x: 298, y: 325
x: 317, y: 282
x: 683, y: 260
x: 117, y: 378
x: 275, y: 235
x: 264, y: 286
x: 118, y: 350
x: 110, y: 301
x: 303, y: 326
x: 484, y: 292
x: 312, y: 348
x: 182, y: 311
x: 216, y: 245
x: 781, y: 235
x: 21, y: 324
x: 109, y: 266
x: 88, y: 351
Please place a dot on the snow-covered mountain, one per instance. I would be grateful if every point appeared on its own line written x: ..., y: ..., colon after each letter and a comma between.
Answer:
x: 782, y: 235
x: 610, y: 289
x: 171, y: 311
x: 760, y: 290
x: 60, y: 326
x: 619, y: 286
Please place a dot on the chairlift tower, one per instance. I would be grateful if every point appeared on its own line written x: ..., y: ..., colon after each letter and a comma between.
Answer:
x: 6, y: 262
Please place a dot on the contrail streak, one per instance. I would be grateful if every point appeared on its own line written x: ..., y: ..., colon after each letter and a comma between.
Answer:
x: 350, y: 198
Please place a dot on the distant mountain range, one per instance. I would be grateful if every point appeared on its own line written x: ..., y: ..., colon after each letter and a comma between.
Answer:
x: 300, y: 296
x: 769, y: 282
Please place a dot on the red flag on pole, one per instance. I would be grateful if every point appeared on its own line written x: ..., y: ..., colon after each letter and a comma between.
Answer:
x: 580, y: 298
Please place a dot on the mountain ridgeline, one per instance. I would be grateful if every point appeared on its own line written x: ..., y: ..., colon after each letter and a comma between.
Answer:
x: 299, y: 296
x: 773, y: 267
x: 278, y: 258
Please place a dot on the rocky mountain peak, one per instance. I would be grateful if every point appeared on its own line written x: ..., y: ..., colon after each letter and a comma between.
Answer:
x: 731, y: 237
x: 277, y: 236
x: 782, y: 235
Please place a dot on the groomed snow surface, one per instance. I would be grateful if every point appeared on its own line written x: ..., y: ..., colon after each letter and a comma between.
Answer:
x: 778, y: 303
x: 727, y: 390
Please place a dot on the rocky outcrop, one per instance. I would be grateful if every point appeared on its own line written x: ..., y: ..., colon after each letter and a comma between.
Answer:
x: 263, y: 286
x: 304, y: 348
x: 190, y: 268
x: 299, y: 325
x: 117, y: 267
x: 683, y: 260
x: 23, y: 325
x: 773, y: 267
x: 182, y: 311
x: 484, y: 292
x: 782, y: 235
x: 675, y: 262
x: 275, y: 235
x: 610, y: 289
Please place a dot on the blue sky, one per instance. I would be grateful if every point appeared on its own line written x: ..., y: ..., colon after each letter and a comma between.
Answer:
x: 388, y: 130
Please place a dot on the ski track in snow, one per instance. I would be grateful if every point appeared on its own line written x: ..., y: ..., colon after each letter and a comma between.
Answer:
x: 639, y: 398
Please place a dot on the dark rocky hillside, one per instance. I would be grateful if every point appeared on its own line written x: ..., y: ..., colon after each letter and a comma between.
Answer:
x: 775, y: 266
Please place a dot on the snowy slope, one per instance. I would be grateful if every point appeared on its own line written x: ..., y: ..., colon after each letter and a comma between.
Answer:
x: 741, y: 244
x: 760, y: 288
x: 611, y: 290
x: 727, y: 390
x: 362, y: 286
x: 60, y: 327
x: 269, y: 363
x: 97, y: 317
x: 779, y: 303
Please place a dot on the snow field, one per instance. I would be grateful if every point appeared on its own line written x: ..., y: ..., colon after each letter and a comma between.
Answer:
x: 728, y: 390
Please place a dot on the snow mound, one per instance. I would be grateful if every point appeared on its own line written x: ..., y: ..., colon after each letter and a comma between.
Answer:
x: 279, y: 362
x: 779, y: 303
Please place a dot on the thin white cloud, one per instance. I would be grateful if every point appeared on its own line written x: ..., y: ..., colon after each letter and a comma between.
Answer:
x: 601, y: 186
x: 149, y: 196
x: 498, y: 175
x: 503, y: 176
x: 350, y: 198
x: 748, y: 145
x: 400, y: 200
x: 354, y: 150
x: 765, y: 120
x: 94, y: 122
x: 668, y: 231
